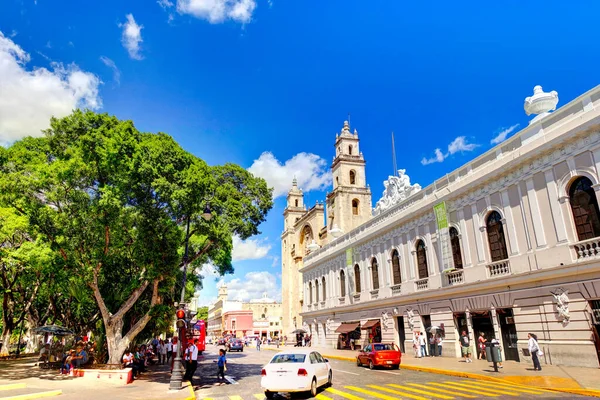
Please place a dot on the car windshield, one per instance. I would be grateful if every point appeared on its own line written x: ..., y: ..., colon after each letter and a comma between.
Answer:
x: 381, y: 347
x: 288, y: 358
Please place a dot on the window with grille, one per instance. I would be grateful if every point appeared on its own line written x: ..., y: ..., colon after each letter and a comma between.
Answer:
x: 324, y: 289
x: 496, y: 239
x: 584, y: 207
x: 357, y: 279
x: 455, y: 245
x: 397, y: 276
x: 342, y: 284
x: 375, y: 274
x: 422, y: 260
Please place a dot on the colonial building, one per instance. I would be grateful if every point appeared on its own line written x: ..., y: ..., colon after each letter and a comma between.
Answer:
x: 507, y: 244
x: 348, y: 206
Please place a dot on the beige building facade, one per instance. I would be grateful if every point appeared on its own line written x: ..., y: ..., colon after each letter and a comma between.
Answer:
x: 512, y: 247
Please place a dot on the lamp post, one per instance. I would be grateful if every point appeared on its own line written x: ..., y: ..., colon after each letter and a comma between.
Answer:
x: 177, y: 376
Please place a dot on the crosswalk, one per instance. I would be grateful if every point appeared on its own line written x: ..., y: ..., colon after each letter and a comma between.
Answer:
x: 444, y: 390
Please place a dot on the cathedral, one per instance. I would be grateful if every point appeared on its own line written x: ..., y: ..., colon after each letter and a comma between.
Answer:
x: 348, y: 206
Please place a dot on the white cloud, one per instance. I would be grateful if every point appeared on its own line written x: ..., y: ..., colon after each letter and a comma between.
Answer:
x: 504, y: 132
x: 253, y: 285
x: 275, y: 262
x: 457, y: 145
x: 165, y: 4
x: 309, y: 169
x: 132, y: 37
x: 28, y: 98
x: 249, y: 249
x: 216, y: 11
x: 111, y: 64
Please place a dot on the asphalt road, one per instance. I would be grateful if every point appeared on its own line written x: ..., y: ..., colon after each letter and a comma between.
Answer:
x: 352, y: 382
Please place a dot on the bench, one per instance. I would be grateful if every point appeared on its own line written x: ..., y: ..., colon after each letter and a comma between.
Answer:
x: 114, y: 376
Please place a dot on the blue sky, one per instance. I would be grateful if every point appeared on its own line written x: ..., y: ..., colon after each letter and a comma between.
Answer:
x: 232, y: 79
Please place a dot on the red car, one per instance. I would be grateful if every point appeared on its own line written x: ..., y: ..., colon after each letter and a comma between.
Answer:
x: 380, y: 355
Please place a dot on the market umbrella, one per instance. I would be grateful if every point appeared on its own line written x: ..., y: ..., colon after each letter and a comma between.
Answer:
x: 54, y: 330
x: 433, y: 329
x: 299, y: 331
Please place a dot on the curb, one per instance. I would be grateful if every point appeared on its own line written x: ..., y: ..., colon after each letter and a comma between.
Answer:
x: 461, y: 374
x: 192, y: 395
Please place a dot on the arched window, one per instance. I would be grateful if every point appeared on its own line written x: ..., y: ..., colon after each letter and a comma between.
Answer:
x: 309, y: 292
x: 342, y: 283
x: 316, y: 290
x: 455, y: 244
x: 324, y: 289
x: 337, y: 180
x: 296, y: 203
x: 397, y: 276
x: 422, y: 260
x: 584, y: 207
x: 375, y: 273
x: 355, y: 207
x: 357, y: 288
x: 352, y: 177
x: 350, y: 149
x: 495, y: 234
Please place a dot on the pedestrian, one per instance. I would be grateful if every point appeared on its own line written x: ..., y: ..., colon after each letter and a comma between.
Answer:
x: 175, y: 349
x: 495, y: 341
x: 439, y: 340
x: 192, y: 362
x: 423, y: 345
x: 258, y: 344
x: 535, y: 351
x: 481, y: 345
x: 169, y: 347
x: 221, y: 365
x: 432, y: 346
x: 416, y: 347
x: 465, y: 346
x: 162, y: 352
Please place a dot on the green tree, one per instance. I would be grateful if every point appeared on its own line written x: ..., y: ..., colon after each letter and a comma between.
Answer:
x: 114, y: 203
x: 202, y: 313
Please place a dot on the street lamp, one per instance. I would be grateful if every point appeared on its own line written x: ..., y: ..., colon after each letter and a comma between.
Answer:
x: 177, y: 376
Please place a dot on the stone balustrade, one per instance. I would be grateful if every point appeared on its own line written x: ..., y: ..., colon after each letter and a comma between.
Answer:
x: 422, y: 284
x: 455, y: 277
x: 498, y: 268
x: 587, y: 249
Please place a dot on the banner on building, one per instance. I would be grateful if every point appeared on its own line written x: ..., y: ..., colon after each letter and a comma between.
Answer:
x: 441, y: 219
x: 349, y: 257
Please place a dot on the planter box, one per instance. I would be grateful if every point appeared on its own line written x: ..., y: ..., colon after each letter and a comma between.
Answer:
x: 113, y: 376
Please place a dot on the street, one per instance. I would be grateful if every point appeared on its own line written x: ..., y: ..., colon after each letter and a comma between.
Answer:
x: 352, y: 382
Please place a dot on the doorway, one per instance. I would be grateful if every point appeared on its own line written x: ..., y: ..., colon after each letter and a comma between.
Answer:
x: 508, y: 330
x: 426, y: 325
x: 595, y: 306
x: 401, y: 332
x: 482, y: 323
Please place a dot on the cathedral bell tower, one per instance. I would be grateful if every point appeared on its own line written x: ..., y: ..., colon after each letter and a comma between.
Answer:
x: 349, y: 203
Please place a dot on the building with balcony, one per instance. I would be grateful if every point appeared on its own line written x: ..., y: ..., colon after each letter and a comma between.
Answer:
x: 507, y: 244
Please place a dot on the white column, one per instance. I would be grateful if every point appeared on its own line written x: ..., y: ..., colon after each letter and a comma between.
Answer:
x: 465, y: 237
x: 430, y: 251
x: 478, y: 233
x: 538, y: 227
x: 510, y: 225
x: 557, y: 216
x: 384, y: 266
x: 523, y: 216
x: 411, y: 258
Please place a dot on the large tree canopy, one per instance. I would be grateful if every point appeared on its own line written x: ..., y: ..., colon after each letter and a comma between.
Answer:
x: 113, y: 204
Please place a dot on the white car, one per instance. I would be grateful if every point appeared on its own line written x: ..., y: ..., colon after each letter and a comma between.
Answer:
x: 296, y: 370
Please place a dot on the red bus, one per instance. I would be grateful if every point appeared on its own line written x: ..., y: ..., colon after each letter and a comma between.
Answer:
x: 197, y: 332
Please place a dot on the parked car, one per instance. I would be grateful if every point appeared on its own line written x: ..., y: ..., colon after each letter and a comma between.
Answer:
x: 235, y: 345
x: 221, y: 342
x: 380, y: 355
x: 296, y: 370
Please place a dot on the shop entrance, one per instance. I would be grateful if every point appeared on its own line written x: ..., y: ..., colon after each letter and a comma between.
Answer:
x: 595, y: 306
x: 482, y: 323
x: 509, y: 333
x: 401, y: 332
x: 426, y: 325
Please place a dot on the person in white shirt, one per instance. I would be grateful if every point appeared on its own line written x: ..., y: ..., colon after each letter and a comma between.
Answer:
x: 169, y: 347
x: 439, y: 340
x: 192, y: 362
x: 174, y: 353
x: 423, y: 345
x: 535, y: 351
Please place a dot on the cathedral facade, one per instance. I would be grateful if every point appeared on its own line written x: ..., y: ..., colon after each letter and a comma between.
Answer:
x: 507, y: 244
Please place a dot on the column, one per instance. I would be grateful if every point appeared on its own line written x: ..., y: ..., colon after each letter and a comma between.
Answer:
x: 510, y: 225
x: 523, y: 216
x: 478, y: 234
x: 557, y: 216
x: 384, y: 266
x: 429, y: 249
x: 538, y: 227
x: 465, y: 237
x: 407, y: 254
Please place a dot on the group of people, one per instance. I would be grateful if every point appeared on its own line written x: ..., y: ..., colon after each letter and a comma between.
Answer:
x: 420, y: 345
x: 303, y: 340
x: 69, y: 359
x: 143, y: 355
x: 465, y: 347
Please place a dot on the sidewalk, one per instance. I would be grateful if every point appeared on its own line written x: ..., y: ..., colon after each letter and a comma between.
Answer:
x: 572, y: 379
x: 154, y: 384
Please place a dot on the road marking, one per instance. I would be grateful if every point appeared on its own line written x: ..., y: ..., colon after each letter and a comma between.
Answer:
x: 439, y: 396
x: 513, y: 387
x: 442, y: 391
x: 343, y: 394
x: 235, y: 398
x: 371, y: 393
x: 385, y: 372
x: 259, y: 396
x: 322, y: 397
x: 410, y: 396
x: 461, y: 390
x: 471, y: 384
x: 346, y: 372
x: 230, y: 380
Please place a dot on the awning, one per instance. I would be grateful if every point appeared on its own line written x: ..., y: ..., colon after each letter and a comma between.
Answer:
x: 370, y: 323
x: 346, y: 327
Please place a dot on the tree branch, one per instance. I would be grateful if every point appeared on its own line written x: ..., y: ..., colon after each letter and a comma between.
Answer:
x: 200, y: 253
x: 141, y: 323
x: 131, y: 300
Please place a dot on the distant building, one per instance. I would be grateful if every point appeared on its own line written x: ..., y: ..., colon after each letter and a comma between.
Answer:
x: 507, y: 244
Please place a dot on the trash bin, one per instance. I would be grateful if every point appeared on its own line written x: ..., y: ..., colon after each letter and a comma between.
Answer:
x: 492, y: 353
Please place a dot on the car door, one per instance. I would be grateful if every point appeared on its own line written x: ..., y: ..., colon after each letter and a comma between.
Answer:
x: 317, y: 367
x: 366, y: 354
x: 323, y: 366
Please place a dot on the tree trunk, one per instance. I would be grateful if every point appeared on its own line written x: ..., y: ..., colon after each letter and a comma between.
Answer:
x: 6, y: 332
x: 115, y: 342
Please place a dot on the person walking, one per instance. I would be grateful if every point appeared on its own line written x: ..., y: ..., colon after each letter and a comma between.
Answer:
x: 162, y: 352
x: 465, y: 346
x: 535, y: 351
x: 192, y: 362
x: 221, y: 365
x: 416, y: 347
x: 496, y: 341
x: 439, y: 340
x: 169, y: 347
x: 423, y: 345
x: 432, y: 346
x: 258, y: 344
x: 481, y: 346
x: 175, y: 349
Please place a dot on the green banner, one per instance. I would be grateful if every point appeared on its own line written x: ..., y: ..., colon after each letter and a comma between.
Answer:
x: 349, y: 257
x: 441, y: 216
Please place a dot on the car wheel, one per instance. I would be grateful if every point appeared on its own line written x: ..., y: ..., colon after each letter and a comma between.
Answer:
x: 371, y: 365
x: 330, y: 379
x: 397, y: 366
x: 358, y: 363
x: 269, y: 395
x: 313, y: 387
